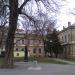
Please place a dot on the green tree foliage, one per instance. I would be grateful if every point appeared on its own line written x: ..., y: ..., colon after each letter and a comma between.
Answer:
x: 48, y: 44
x: 57, y: 48
x: 53, y: 44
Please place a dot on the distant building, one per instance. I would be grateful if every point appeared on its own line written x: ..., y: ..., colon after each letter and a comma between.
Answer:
x: 34, y: 43
x: 67, y: 39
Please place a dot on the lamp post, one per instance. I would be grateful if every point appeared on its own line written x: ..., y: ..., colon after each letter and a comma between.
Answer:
x: 26, y: 54
x: 50, y: 47
x: 26, y: 49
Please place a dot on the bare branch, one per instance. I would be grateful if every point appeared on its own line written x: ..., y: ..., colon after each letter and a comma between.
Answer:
x: 21, y: 7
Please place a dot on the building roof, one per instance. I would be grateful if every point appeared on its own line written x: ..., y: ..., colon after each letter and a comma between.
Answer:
x: 69, y: 27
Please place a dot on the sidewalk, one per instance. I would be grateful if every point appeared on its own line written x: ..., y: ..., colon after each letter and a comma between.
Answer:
x: 62, y: 60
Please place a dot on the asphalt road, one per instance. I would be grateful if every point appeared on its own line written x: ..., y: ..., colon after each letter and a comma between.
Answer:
x: 41, y: 69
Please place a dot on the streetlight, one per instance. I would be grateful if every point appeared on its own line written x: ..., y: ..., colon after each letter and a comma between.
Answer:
x: 50, y: 48
x: 26, y: 54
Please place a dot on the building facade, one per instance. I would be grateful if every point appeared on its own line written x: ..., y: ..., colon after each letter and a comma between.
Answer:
x: 33, y: 42
x: 67, y: 39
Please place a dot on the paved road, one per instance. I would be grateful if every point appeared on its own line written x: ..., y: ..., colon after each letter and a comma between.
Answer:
x: 46, y: 69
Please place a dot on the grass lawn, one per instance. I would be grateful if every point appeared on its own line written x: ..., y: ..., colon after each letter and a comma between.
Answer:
x: 18, y: 59
x: 1, y: 60
x: 70, y: 59
x: 47, y: 60
x: 40, y: 60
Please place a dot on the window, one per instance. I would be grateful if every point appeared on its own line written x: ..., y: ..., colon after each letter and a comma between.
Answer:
x: 35, y: 41
x: 16, y: 49
x: 22, y: 41
x: 62, y: 38
x: 39, y: 50
x: 34, y: 50
x: 22, y: 49
x: 69, y: 37
x: 65, y: 38
x: 40, y: 42
x: 17, y: 54
x: 31, y: 42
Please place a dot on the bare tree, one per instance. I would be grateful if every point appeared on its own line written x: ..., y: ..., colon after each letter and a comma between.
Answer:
x: 26, y: 26
x: 3, y: 22
x: 14, y: 12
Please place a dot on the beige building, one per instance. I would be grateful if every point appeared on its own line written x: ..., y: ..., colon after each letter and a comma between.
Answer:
x: 67, y: 39
x: 33, y: 42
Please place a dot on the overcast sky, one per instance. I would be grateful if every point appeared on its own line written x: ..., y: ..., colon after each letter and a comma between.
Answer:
x: 65, y: 14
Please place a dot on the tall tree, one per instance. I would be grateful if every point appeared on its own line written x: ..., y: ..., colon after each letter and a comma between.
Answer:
x: 13, y: 17
x: 1, y: 6
x: 9, y: 47
x: 26, y: 26
x: 57, y: 47
x: 49, y: 44
x: 53, y: 44
x: 14, y: 11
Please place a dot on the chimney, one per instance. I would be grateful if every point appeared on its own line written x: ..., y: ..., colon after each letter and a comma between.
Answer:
x: 63, y: 27
x: 69, y: 24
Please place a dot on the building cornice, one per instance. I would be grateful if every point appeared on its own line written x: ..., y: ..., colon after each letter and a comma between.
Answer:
x: 65, y: 29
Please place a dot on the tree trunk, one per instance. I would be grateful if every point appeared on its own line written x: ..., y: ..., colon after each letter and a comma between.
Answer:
x: 26, y: 54
x: 1, y: 37
x: 9, y: 46
x: 56, y: 55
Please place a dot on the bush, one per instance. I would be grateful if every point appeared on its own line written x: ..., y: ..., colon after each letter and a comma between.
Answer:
x: 2, y: 54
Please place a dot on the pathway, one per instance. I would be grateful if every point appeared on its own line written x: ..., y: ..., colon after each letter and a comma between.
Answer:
x: 47, y: 69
